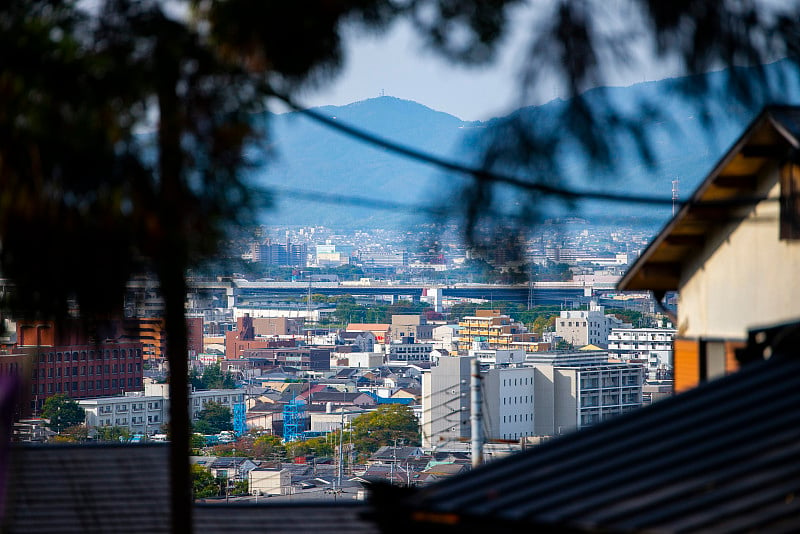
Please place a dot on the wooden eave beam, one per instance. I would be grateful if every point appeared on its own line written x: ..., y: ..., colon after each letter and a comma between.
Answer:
x: 685, y: 240
x: 733, y: 181
x: 770, y: 151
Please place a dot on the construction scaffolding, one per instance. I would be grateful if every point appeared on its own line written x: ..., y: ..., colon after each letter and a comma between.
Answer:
x: 294, y: 420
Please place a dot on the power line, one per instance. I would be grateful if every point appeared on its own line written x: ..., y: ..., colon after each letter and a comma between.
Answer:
x: 389, y: 205
x: 493, y: 176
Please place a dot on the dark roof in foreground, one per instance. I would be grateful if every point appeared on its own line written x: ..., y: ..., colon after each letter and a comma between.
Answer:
x: 721, y: 458
x: 115, y: 488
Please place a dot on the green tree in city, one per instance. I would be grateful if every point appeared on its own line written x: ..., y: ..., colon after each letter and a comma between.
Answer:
x: 388, y: 423
x: 203, y: 483
x: 198, y: 441
x: 313, y: 446
x: 212, y: 378
x: 62, y: 412
x: 214, y: 418
x: 542, y: 323
x: 112, y: 433
x: 240, y: 487
x: 72, y: 434
x: 268, y: 447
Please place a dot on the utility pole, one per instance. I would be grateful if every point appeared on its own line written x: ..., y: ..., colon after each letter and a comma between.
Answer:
x: 394, y: 461
x: 341, y: 444
x: 476, y: 417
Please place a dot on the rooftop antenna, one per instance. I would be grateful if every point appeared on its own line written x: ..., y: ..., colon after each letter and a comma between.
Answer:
x: 674, y: 195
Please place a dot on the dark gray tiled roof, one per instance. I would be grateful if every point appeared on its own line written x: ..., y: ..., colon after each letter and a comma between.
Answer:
x: 125, y: 489
x: 338, y: 518
x: 92, y: 488
x: 722, y: 457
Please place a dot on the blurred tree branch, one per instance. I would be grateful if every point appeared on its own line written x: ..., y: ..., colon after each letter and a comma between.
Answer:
x: 123, y: 131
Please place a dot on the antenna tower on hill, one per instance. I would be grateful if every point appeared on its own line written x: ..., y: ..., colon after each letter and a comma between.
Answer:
x: 674, y: 195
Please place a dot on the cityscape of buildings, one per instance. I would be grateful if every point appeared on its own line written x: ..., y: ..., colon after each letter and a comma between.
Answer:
x: 301, y: 369
x: 315, y: 337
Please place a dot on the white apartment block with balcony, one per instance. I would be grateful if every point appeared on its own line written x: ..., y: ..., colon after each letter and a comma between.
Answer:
x: 653, y: 345
x: 226, y: 397
x: 408, y: 351
x: 586, y: 327
x: 140, y: 414
x: 199, y: 397
x: 574, y: 397
x: 495, y: 357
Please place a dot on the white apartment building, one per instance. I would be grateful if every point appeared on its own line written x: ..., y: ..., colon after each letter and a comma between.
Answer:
x: 574, y: 397
x: 508, y: 402
x: 146, y: 412
x: 198, y: 398
x: 226, y: 397
x: 653, y: 345
x: 445, y: 337
x: 409, y: 352
x: 556, y: 394
x: 139, y: 413
x: 586, y: 327
x: 445, y: 401
x: 494, y: 357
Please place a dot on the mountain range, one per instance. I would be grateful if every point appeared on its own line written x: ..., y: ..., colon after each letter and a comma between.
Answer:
x: 320, y: 176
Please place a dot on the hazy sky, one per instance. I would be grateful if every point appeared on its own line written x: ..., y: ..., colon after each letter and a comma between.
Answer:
x: 397, y: 64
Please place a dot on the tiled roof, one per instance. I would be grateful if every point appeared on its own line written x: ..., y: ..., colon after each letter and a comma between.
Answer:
x: 719, y: 458
x: 125, y: 489
x: 92, y: 488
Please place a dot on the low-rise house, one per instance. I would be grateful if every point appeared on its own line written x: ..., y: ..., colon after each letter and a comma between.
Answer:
x: 338, y: 399
x: 394, y: 455
x: 232, y: 467
x: 264, y: 481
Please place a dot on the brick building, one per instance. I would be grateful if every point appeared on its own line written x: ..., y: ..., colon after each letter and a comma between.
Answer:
x: 81, y: 364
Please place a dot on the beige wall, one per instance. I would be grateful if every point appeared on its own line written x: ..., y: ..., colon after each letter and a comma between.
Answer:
x: 746, y: 278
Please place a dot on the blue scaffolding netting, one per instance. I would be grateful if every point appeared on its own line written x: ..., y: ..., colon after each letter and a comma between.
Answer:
x: 294, y: 420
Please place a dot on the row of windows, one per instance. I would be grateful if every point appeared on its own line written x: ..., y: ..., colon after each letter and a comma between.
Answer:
x: 517, y: 381
x: 74, y: 356
x: 84, y: 385
x: 124, y: 420
x: 522, y: 418
x: 523, y: 399
x: 99, y: 369
x: 221, y: 400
